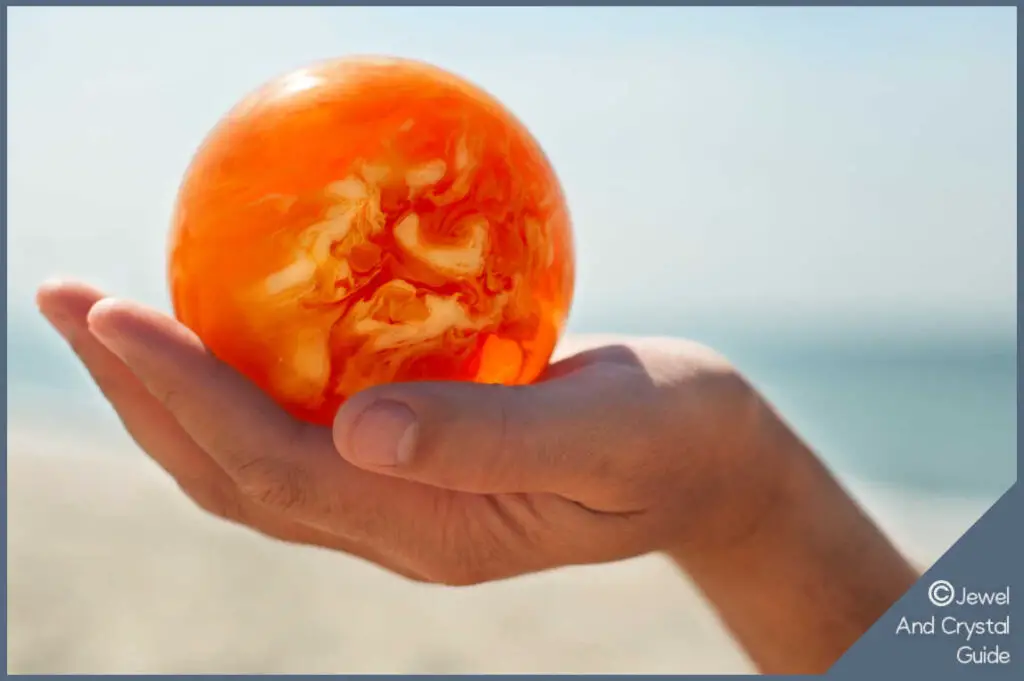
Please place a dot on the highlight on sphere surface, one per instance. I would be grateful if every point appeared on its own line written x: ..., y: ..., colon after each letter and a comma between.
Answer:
x: 370, y: 220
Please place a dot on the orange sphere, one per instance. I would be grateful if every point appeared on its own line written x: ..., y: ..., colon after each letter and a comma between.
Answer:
x: 371, y: 220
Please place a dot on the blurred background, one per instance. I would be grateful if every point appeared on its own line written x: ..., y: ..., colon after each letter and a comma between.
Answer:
x: 826, y: 195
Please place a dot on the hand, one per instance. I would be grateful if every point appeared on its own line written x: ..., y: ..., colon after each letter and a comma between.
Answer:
x: 645, y: 445
x: 619, y: 451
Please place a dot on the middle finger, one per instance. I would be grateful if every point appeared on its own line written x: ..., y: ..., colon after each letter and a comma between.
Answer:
x: 66, y: 306
x: 273, y: 458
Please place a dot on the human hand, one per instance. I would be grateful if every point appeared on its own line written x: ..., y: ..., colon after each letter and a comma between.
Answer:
x: 640, y: 446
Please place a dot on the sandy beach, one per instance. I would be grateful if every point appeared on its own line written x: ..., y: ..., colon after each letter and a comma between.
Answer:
x: 111, y: 570
x: 827, y: 198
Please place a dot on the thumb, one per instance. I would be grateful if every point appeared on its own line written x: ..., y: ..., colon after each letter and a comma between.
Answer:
x: 559, y: 436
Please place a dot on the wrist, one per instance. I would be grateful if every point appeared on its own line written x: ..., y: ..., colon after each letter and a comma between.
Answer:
x: 807, y: 574
x: 757, y: 481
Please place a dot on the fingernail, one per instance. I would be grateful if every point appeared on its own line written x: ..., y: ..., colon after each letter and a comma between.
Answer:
x: 384, y: 434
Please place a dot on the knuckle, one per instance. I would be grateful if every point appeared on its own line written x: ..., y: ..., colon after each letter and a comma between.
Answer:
x: 271, y: 483
x: 467, y: 554
x: 170, y: 397
x: 119, y: 387
x: 214, y: 499
x: 278, y: 495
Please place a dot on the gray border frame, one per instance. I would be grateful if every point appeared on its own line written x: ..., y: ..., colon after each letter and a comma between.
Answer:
x: 988, y: 558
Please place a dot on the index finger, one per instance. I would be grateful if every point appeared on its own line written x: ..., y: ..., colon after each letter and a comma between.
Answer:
x: 272, y: 457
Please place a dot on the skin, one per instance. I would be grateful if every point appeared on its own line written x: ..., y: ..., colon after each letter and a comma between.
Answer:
x: 647, y: 445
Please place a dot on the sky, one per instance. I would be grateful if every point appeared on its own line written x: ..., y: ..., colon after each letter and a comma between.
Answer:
x: 822, y: 166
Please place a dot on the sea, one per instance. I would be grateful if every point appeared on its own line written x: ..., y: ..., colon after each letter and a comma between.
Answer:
x: 932, y: 413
